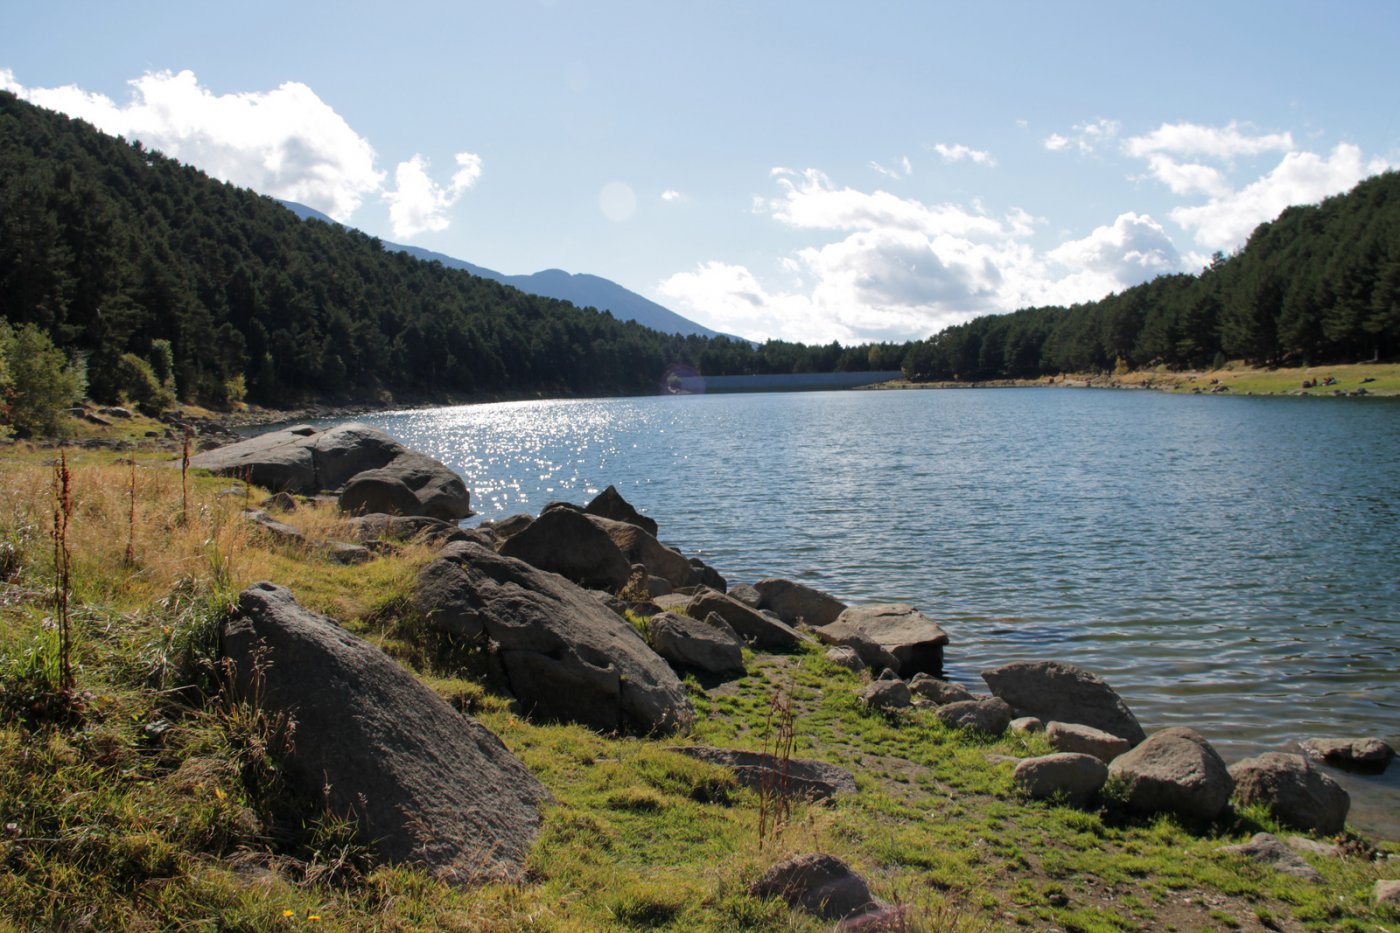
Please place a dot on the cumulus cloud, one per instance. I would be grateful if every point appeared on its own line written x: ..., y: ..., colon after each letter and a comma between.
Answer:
x: 417, y: 204
x: 959, y: 152
x: 893, y: 267
x: 1300, y: 178
x: 287, y: 143
x: 1187, y: 177
x: 1086, y: 137
x: 1218, y: 142
x: 671, y: 194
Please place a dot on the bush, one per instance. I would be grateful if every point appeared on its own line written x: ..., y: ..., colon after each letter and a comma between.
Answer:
x: 43, y: 380
x: 137, y: 380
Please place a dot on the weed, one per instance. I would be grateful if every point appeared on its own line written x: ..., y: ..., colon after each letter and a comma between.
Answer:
x: 775, y: 790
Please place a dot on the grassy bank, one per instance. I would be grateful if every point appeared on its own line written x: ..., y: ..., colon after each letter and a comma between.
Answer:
x: 1376, y: 379
x: 143, y: 798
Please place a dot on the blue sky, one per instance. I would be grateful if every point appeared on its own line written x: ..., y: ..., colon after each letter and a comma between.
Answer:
x: 812, y: 171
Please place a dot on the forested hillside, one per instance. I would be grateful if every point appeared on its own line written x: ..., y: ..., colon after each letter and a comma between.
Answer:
x: 1321, y: 284
x: 150, y: 270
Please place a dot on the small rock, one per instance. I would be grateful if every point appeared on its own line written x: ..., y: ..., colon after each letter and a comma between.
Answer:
x: 938, y: 692
x: 1075, y: 737
x: 1370, y: 756
x: 1269, y: 850
x: 1387, y: 892
x: 816, y: 780
x: 746, y: 594
x: 1026, y: 725
x: 1313, y: 847
x: 845, y: 657
x: 1075, y: 775
x: 885, y: 695
x: 819, y: 884
x: 990, y: 715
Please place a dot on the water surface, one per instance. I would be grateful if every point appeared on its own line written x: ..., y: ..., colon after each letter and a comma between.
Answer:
x: 1232, y: 564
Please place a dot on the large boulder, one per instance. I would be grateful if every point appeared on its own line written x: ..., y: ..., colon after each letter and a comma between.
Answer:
x: 796, y: 603
x: 1293, y: 790
x: 885, y: 696
x: 915, y: 640
x: 1175, y: 770
x: 560, y: 652
x: 306, y: 461
x: 708, y: 646
x: 425, y: 783
x: 639, y: 546
x: 378, y: 527
x: 755, y: 628
x: 1078, y: 777
x: 804, y: 777
x: 1053, y: 690
x: 610, y: 504
x: 566, y: 542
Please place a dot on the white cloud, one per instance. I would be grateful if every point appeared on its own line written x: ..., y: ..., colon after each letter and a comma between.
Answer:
x: 1300, y: 178
x: 287, y: 143
x: 1217, y: 142
x: 418, y: 204
x: 959, y: 152
x: 902, y: 169
x: 895, y: 268
x: 1086, y: 137
x: 671, y: 194
x: 1187, y: 177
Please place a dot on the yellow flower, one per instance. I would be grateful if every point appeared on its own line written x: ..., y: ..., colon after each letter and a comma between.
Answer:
x: 313, y: 918
x: 289, y: 913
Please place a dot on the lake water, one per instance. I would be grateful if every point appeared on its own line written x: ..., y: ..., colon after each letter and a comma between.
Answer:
x: 1231, y: 564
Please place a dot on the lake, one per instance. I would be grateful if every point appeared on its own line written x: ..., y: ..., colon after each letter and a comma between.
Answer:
x: 1231, y: 564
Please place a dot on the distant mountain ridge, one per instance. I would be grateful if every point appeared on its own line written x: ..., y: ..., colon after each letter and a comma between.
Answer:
x: 581, y: 289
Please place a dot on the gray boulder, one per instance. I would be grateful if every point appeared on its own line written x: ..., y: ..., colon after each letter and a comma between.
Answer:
x: 1026, y: 725
x: 278, y: 531
x: 1174, y: 770
x: 566, y: 542
x: 818, y: 884
x: 1086, y: 740
x: 844, y: 634
x: 1293, y: 790
x: 709, y: 646
x: 702, y: 574
x: 915, y: 640
x: 427, y: 784
x: 560, y: 652
x: 510, y: 526
x: 938, y: 692
x: 1369, y: 756
x: 885, y: 695
x: 796, y: 603
x: 610, y: 504
x: 990, y: 715
x: 1077, y: 776
x: 378, y: 527
x: 755, y: 628
x: 1266, y: 849
x: 845, y: 657
x: 640, y: 547
x: 745, y: 594
x: 305, y: 461
x: 815, y: 780
x: 1053, y: 690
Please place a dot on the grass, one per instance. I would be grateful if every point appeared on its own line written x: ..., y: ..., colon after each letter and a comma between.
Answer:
x: 163, y: 805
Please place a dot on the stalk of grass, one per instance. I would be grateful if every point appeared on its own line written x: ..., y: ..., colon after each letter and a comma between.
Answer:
x: 775, y: 790
x: 62, y: 557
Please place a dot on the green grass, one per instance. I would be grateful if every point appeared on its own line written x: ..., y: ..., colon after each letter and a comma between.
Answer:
x: 159, y: 805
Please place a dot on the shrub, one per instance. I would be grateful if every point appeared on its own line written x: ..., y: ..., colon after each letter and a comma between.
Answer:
x: 43, y: 381
x: 138, y: 381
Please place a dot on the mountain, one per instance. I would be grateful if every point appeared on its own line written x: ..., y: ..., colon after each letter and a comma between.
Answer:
x: 580, y: 289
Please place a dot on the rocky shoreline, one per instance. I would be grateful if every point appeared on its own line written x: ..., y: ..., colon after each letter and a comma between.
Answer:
x: 581, y: 614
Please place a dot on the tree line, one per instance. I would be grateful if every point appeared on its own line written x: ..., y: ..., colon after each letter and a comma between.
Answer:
x: 1320, y: 284
x: 159, y: 282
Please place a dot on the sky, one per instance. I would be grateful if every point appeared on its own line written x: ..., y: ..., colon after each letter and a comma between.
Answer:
x: 809, y: 171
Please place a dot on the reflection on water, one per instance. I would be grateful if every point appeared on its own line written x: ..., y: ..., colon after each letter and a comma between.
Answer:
x: 1229, y: 564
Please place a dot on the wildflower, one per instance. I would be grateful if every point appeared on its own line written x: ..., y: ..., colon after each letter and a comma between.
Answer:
x: 289, y: 913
